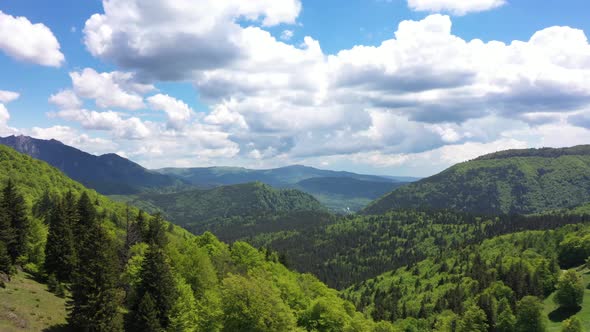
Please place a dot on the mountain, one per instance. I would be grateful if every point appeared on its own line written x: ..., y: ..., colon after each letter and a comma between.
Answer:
x: 512, y: 181
x: 276, y: 177
x: 195, y: 209
x: 342, y: 192
x: 209, y: 285
x: 108, y: 174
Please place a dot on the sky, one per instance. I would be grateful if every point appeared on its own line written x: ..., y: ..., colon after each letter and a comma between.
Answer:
x: 392, y: 87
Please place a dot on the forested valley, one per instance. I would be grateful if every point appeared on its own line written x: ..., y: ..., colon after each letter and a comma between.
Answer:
x: 288, y: 263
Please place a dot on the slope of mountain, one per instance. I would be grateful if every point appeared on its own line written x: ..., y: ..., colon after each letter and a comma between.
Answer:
x: 513, y: 181
x: 214, y: 286
x: 195, y: 208
x: 108, y: 174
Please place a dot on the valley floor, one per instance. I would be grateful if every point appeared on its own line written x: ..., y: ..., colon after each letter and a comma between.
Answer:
x: 27, y: 305
x: 557, y: 317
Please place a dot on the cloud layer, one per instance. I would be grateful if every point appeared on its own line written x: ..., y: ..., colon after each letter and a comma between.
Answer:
x: 420, y: 97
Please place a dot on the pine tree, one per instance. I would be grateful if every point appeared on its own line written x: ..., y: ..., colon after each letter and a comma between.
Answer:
x: 60, y: 252
x: 156, y: 234
x: 95, y: 297
x: 14, y: 210
x: 157, y: 280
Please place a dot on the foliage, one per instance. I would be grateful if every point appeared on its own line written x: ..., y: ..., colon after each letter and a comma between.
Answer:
x: 570, y: 290
x: 529, y: 313
x: 529, y: 182
x: 572, y: 325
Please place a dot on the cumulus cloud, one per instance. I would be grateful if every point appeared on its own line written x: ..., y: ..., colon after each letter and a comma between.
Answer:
x: 178, y: 112
x: 170, y: 40
x: 126, y: 128
x: 456, y: 7
x: 8, y: 96
x: 65, y: 99
x: 25, y: 41
x: 115, y: 89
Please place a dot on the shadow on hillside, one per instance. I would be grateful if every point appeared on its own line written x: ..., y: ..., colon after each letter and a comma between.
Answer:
x: 560, y: 314
x: 57, y: 328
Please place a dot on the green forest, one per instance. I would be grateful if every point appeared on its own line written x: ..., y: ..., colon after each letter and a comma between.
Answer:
x: 254, y: 258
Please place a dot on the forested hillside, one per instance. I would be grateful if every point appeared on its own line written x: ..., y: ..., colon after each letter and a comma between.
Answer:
x: 197, y: 209
x: 347, y: 250
x: 108, y: 174
x: 120, y: 269
x: 342, y: 192
x: 497, y: 285
x: 520, y: 181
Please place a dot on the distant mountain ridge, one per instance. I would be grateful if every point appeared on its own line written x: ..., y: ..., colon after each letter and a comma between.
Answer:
x: 341, y: 191
x: 108, y: 174
x: 512, y: 181
x: 276, y: 177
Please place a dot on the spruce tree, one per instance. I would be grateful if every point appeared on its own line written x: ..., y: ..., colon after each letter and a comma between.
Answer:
x: 14, y: 209
x: 156, y: 280
x: 5, y: 261
x: 95, y: 297
x: 60, y: 254
x: 146, y: 316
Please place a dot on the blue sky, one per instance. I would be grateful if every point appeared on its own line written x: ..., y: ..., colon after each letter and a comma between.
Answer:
x: 332, y: 84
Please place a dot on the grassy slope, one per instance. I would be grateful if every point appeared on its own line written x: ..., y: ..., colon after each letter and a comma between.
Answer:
x: 27, y: 305
x: 509, y: 185
x: 555, y: 320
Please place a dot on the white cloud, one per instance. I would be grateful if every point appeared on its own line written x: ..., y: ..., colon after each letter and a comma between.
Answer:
x: 456, y: 7
x: 74, y: 138
x: 178, y: 112
x: 125, y: 128
x: 8, y: 96
x: 66, y: 99
x: 424, y: 89
x: 115, y: 89
x: 25, y: 41
x: 287, y: 34
x: 169, y: 40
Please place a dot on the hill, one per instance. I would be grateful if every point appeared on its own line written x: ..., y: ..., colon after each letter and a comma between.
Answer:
x: 342, y: 192
x: 196, y: 209
x: 108, y: 173
x: 207, y: 284
x: 513, y: 181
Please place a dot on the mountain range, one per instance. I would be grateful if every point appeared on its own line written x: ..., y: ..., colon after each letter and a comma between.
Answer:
x: 111, y: 174
x: 108, y: 174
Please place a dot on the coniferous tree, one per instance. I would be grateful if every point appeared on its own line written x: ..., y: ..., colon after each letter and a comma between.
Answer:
x: 158, y: 282
x: 5, y: 261
x: 146, y: 316
x: 95, y: 297
x: 14, y: 209
x: 60, y: 252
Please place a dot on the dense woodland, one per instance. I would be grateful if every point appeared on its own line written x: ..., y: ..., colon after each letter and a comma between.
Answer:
x: 523, y: 183
x: 123, y: 269
x: 119, y: 268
